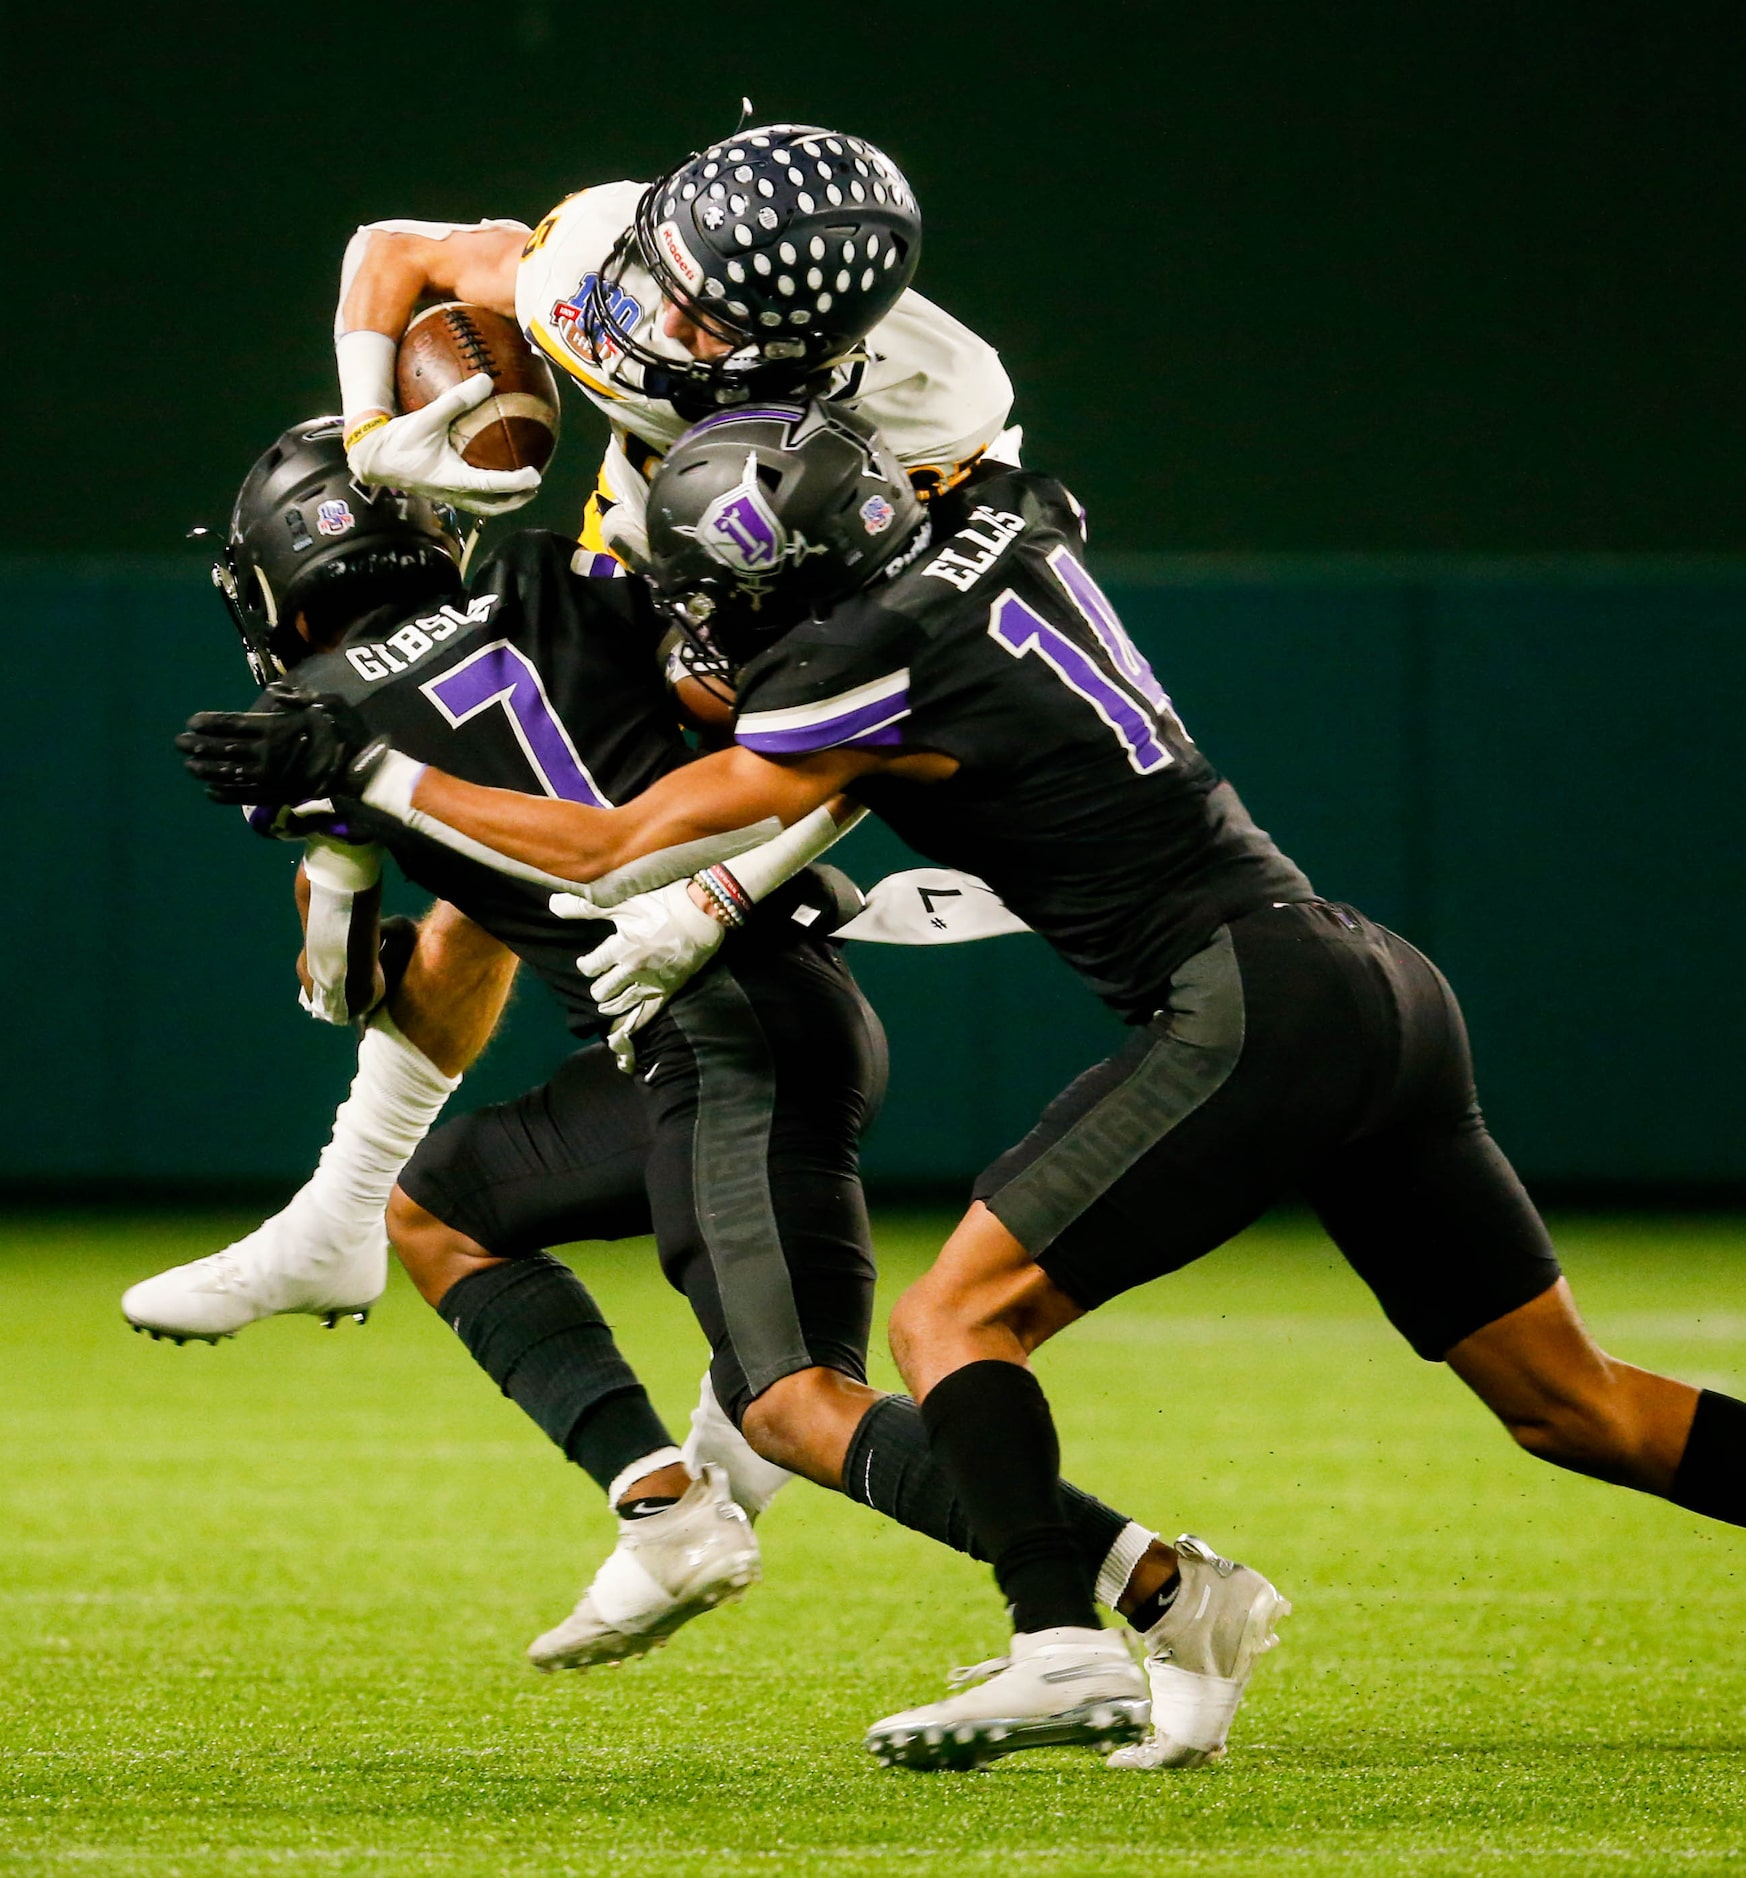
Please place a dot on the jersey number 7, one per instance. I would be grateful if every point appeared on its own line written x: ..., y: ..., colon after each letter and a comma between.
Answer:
x: 501, y: 674
x: 1017, y: 627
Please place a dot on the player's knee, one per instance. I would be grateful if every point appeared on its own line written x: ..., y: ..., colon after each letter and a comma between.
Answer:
x: 435, y: 1255
x: 1021, y: 1302
x: 918, y: 1313
x: 802, y: 1421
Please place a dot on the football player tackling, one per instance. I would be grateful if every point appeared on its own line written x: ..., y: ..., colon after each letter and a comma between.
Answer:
x: 777, y: 260
x: 735, y: 1142
x: 979, y: 694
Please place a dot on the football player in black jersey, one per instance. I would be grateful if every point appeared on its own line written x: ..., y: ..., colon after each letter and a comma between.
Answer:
x: 973, y: 687
x: 735, y: 1143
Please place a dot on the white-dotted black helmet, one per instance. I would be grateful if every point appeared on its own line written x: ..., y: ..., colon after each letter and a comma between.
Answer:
x: 787, y: 242
x: 759, y: 517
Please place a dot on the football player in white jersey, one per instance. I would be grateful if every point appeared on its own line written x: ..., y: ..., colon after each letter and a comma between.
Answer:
x: 776, y: 260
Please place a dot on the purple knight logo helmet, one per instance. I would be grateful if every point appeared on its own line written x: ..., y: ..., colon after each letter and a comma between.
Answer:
x: 758, y: 517
x: 740, y: 530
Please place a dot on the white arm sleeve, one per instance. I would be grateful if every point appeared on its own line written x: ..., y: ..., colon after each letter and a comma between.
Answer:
x: 337, y: 872
x: 763, y: 869
x: 390, y: 788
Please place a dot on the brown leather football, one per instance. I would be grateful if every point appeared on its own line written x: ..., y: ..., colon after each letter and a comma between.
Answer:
x: 517, y: 426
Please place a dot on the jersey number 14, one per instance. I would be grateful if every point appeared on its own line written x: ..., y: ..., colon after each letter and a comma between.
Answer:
x: 1133, y: 708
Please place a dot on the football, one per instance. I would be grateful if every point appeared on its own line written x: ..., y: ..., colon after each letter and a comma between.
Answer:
x: 515, y: 428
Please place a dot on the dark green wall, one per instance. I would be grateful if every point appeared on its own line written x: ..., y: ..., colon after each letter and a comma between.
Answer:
x: 1531, y: 768
x: 1380, y: 275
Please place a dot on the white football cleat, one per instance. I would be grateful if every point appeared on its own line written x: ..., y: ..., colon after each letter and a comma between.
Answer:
x: 1199, y: 1656
x: 753, y: 1481
x: 667, y: 1568
x: 295, y: 1262
x: 1066, y: 1687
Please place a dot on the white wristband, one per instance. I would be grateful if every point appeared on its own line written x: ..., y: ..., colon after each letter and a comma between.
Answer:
x: 342, y: 866
x: 391, y: 784
x: 366, y: 372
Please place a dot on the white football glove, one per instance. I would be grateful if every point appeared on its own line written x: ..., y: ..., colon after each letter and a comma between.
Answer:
x: 618, y: 1038
x: 659, y: 941
x: 415, y: 452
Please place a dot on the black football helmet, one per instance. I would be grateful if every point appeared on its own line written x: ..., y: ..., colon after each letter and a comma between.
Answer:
x: 306, y: 537
x: 787, y: 242
x: 758, y: 518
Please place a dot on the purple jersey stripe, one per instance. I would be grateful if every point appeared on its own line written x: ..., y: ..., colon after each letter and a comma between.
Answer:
x: 883, y: 734
x: 857, y: 726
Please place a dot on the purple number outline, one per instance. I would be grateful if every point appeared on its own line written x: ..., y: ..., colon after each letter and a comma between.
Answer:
x: 1102, y: 618
x: 1077, y: 671
x: 501, y: 674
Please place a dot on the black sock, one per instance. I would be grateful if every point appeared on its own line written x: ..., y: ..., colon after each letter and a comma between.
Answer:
x: 1149, y: 1610
x: 990, y: 1425
x: 1711, y: 1476
x: 535, y: 1331
x: 890, y: 1467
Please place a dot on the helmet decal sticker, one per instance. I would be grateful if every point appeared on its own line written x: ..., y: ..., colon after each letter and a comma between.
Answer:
x: 334, y: 518
x: 739, y: 528
x: 675, y: 251
x: 877, y: 515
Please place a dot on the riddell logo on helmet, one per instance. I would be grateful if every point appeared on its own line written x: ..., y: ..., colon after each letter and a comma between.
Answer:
x: 676, y: 251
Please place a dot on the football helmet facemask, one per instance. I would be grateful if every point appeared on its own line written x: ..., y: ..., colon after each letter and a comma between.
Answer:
x: 787, y: 242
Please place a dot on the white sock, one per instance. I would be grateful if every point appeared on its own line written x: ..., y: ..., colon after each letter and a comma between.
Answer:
x: 1132, y: 1544
x: 396, y: 1095
x: 753, y: 1481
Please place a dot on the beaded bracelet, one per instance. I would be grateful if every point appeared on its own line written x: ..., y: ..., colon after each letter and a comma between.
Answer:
x: 726, y: 894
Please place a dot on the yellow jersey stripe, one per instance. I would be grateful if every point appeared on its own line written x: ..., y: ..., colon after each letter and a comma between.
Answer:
x: 564, y: 357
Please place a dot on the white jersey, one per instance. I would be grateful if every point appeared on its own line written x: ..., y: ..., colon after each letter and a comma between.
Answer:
x: 936, y: 392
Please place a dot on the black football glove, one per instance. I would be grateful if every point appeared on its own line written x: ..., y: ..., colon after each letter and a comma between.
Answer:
x: 304, y: 746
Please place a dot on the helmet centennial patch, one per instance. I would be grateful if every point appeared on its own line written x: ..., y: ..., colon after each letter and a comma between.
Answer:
x: 877, y: 515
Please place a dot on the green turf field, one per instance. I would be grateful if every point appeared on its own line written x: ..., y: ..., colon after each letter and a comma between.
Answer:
x: 262, y: 1606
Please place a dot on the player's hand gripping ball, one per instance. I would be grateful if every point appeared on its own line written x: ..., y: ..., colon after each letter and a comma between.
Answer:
x: 305, y: 746
x: 516, y: 426
x: 479, y: 414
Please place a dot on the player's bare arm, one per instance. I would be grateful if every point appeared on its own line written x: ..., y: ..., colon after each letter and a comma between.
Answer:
x: 728, y: 790
x: 396, y: 269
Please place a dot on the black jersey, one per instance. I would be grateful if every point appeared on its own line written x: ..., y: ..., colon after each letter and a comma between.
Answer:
x: 537, y: 680
x: 1079, y: 798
